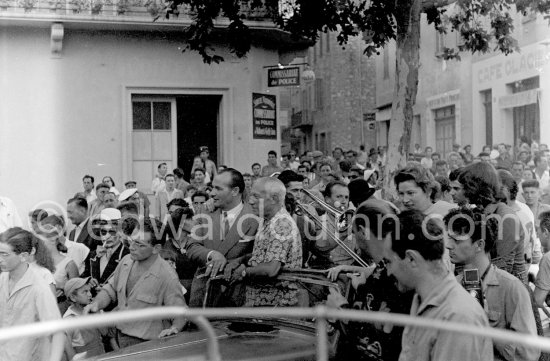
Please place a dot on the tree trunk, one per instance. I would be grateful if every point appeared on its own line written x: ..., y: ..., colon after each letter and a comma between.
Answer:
x: 404, y: 93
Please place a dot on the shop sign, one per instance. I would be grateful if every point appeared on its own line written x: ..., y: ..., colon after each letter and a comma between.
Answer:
x: 283, y: 77
x: 264, y: 116
x: 444, y: 100
x: 512, y: 65
x: 519, y: 99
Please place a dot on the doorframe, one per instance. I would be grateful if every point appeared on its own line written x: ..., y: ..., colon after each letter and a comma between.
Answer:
x: 224, y: 122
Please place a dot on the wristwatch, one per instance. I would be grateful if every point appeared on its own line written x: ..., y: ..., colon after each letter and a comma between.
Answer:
x: 243, y: 273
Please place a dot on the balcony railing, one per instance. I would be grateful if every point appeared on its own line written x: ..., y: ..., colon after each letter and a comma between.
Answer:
x: 146, y: 9
x: 301, y: 118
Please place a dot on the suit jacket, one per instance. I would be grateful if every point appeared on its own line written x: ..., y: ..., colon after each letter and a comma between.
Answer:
x: 93, y: 269
x: 84, y: 236
x: 162, y: 200
x: 207, y: 237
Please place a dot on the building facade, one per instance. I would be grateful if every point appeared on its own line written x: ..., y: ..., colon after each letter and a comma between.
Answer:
x: 337, y: 108
x: 112, y: 93
x: 479, y: 100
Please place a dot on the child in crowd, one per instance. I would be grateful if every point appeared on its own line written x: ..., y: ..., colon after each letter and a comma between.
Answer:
x: 82, y: 343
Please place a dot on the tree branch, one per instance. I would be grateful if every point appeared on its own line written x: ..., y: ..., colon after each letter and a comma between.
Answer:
x: 428, y: 4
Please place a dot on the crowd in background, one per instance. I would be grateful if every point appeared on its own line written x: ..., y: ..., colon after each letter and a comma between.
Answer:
x: 133, y: 248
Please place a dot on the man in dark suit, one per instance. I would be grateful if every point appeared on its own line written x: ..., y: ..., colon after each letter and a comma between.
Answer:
x: 104, y: 260
x: 77, y: 211
x: 222, y: 238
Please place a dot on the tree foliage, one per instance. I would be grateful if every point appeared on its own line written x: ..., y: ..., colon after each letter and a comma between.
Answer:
x: 483, y: 25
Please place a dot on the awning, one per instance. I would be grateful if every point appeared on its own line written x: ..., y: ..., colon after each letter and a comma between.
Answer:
x: 519, y: 99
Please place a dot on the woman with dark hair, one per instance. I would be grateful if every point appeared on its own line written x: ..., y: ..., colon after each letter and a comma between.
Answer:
x: 111, y: 183
x: 25, y: 299
x: 482, y: 188
x: 42, y: 262
x: 65, y: 267
x: 374, y: 222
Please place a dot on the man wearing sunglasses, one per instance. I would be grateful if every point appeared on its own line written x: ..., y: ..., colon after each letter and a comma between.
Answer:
x: 110, y: 250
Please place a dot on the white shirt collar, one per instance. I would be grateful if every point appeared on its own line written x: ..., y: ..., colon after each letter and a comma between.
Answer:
x: 233, y: 213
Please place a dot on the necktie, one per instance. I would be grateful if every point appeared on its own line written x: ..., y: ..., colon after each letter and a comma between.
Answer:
x: 225, y: 225
x: 72, y: 234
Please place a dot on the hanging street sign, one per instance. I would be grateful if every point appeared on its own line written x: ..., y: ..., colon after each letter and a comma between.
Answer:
x: 283, y: 77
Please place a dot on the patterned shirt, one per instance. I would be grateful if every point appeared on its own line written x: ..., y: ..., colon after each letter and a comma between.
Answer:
x: 278, y: 240
x: 370, y: 341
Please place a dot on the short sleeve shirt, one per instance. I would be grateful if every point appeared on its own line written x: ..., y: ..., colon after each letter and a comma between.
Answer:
x: 278, y: 240
x: 543, y: 276
x: 31, y: 300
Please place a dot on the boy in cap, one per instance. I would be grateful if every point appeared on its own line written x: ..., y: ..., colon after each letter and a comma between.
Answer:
x: 87, y: 342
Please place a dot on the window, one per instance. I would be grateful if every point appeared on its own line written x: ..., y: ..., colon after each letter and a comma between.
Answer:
x: 153, y: 137
x: 319, y: 94
x: 323, y: 143
x: 327, y: 42
x: 439, y: 43
x: 487, y: 99
x: 444, y: 129
x: 320, y: 45
x: 526, y: 117
x: 386, y: 61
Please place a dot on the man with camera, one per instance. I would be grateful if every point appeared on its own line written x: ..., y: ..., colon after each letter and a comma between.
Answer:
x: 504, y: 297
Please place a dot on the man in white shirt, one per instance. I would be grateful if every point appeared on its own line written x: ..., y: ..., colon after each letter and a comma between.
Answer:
x: 222, y: 238
x: 541, y: 171
x: 8, y: 215
x: 351, y: 155
x: 88, y: 185
x: 158, y: 183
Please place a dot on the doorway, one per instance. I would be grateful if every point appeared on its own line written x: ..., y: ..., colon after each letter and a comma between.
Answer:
x: 197, y: 126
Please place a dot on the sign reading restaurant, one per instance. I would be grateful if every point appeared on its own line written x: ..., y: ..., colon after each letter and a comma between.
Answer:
x: 264, y: 116
x: 283, y: 77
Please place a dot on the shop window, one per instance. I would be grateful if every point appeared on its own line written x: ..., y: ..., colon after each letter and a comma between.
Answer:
x: 526, y: 117
x: 152, y: 138
x: 444, y: 129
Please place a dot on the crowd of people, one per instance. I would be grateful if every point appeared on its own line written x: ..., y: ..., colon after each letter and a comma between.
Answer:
x: 464, y: 241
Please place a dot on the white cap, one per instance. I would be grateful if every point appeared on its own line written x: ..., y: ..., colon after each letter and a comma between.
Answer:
x: 127, y: 194
x: 109, y: 214
x: 367, y: 174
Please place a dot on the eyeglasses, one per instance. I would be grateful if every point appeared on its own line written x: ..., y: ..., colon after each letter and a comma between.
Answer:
x: 106, y: 232
x: 353, y: 176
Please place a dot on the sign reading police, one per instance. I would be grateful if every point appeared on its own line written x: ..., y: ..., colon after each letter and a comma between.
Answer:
x: 264, y: 116
x: 283, y: 77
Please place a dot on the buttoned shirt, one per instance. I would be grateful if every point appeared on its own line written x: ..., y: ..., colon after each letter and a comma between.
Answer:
x: 278, y: 240
x: 544, y: 181
x: 31, y: 300
x: 158, y: 286
x: 232, y: 214
x: 508, y: 306
x: 448, y: 301
x: 8, y: 215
